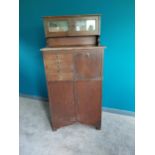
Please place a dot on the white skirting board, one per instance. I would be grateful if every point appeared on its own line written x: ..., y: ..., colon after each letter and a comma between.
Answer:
x: 111, y: 110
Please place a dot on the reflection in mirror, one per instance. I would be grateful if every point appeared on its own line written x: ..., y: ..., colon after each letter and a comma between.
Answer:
x: 57, y: 26
x: 85, y: 25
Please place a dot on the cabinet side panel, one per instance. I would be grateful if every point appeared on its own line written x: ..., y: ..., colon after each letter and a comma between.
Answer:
x: 89, y: 101
x: 61, y: 103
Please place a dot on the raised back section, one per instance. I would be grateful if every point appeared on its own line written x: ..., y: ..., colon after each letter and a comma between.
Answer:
x: 63, y: 31
x: 72, y: 41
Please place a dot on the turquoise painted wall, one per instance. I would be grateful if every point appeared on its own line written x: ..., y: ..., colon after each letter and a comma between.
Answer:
x: 117, y: 33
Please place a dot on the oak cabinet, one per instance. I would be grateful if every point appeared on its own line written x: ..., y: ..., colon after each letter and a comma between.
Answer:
x: 73, y: 61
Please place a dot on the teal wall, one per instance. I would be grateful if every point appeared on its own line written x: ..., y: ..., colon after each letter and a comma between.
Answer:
x: 117, y: 33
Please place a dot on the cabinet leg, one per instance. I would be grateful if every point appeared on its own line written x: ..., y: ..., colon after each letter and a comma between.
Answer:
x: 98, y: 126
x: 54, y: 129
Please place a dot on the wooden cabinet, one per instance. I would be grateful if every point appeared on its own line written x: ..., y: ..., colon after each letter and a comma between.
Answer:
x: 73, y: 73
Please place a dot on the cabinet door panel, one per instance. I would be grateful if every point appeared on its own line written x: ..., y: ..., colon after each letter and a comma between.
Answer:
x: 62, y: 103
x: 86, y: 26
x: 88, y: 95
x: 88, y: 65
x: 58, y: 26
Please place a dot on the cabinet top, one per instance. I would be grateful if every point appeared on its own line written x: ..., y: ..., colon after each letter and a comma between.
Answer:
x: 71, y: 16
x: 70, y: 48
x: 75, y: 25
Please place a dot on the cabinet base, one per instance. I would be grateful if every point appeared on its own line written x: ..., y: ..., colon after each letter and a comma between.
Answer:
x: 97, y: 126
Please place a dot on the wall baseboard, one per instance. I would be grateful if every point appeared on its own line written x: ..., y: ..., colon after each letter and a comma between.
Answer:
x: 111, y: 110
x: 33, y: 97
x: 118, y: 111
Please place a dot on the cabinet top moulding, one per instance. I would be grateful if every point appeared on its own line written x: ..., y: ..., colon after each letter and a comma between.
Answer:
x: 71, y: 16
x: 71, y: 48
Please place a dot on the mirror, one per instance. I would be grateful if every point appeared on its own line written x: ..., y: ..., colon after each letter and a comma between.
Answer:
x: 57, y: 26
x: 85, y: 25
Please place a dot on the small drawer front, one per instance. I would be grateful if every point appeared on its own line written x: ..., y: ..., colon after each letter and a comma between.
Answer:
x: 58, y: 66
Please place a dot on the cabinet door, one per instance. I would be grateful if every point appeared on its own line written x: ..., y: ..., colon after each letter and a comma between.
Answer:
x: 88, y: 98
x: 56, y: 27
x: 85, y: 25
x: 61, y: 103
x: 88, y: 64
